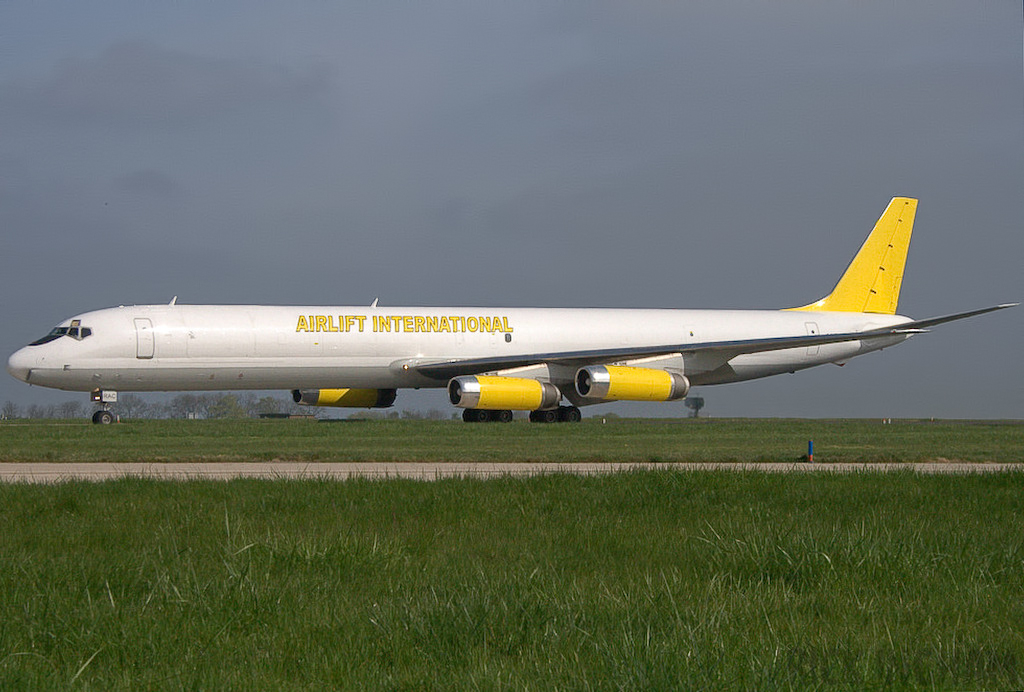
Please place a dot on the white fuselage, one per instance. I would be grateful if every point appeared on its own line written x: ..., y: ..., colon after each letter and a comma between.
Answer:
x: 225, y: 347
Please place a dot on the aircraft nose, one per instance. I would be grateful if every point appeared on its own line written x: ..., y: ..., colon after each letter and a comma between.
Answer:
x: 20, y: 364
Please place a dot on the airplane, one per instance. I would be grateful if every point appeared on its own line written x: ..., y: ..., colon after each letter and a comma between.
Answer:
x: 492, y: 361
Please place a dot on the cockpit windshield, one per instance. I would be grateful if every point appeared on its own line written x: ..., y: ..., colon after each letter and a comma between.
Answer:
x: 75, y: 331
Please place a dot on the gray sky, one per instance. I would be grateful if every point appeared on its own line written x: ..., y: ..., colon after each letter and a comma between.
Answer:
x: 632, y: 154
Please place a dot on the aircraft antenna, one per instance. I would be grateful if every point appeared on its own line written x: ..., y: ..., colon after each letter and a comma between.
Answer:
x: 173, y: 300
x: 374, y: 303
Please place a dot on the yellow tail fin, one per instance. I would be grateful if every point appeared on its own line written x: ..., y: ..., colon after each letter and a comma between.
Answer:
x: 872, y: 281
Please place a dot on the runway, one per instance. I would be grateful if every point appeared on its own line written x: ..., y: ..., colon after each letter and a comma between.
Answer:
x: 56, y: 472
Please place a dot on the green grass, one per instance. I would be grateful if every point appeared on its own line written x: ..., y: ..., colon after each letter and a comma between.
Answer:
x: 642, y: 580
x: 618, y: 440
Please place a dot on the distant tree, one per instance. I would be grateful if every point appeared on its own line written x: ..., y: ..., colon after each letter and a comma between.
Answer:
x: 70, y: 409
x: 435, y: 414
x: 226, y: 406
x: 185, y: 406
x: 268, y: 404
x: 10, y: 411
x: 35, y: 411
x: 695, y: 404
x: 248, y: 401
x: 160, y: 409
x: 131, y: 406
x: 204, y: 402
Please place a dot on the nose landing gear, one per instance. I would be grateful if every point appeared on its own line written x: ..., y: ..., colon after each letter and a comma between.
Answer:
x: 103, y: 417
x: 103, y: 397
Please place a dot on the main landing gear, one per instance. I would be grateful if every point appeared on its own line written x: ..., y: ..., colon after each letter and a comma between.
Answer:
x: 562, y: 414
x: 479, y: 415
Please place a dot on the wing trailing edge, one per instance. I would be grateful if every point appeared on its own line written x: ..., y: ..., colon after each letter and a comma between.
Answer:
x: 447, y: 369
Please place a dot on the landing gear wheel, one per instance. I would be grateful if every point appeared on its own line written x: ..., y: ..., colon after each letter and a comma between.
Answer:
x: 504, y: 416
x: 546, y: 416
x: 103, y: 418
x: 569, y: 414
x: 476, y: 415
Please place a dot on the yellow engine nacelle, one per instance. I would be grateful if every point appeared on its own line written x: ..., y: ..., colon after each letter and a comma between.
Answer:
x: 352, y: 398
x: 502, y: 393
x: 623, y: 383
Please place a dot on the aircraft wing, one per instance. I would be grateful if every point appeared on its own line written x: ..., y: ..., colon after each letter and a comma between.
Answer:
x: 446, y: 369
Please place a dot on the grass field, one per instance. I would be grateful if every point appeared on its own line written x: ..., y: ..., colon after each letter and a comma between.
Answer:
x: 617, y: 440
x: 642, y: 580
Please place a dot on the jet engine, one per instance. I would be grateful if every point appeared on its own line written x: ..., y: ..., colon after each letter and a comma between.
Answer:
x: 354, y: 398
x: 502, y: 393
x: 623, y: 383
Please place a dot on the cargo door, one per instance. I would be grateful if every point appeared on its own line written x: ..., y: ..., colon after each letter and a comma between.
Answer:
x: 143, y: 337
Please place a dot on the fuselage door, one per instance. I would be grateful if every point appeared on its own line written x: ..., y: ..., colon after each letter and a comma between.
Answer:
x: 812, y: 330
x: 143, y: 337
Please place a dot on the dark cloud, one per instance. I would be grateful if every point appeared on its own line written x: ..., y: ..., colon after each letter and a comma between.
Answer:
x: 149, y: 183
x: 141, y: 85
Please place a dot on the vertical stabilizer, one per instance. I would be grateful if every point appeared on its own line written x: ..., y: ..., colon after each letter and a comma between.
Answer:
x: 872, y: 281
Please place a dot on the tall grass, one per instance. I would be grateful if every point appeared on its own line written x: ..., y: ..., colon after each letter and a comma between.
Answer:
x: 643, y: 580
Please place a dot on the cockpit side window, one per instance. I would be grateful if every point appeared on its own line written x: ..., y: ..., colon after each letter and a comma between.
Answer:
x: 55, y: 333
x: 75, y: 331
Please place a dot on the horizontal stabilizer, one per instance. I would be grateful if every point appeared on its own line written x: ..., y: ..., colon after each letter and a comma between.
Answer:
x: 923, y: 325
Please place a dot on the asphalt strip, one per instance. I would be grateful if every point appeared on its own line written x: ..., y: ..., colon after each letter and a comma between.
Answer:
x: 55, y: 472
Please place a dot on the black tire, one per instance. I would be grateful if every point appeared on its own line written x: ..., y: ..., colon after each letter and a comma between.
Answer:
x: 476, y: 415
x: 546, y: 416
x: 504, y: 416
x: 102, y: 418
x: 569, y: 414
